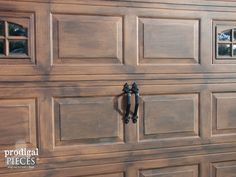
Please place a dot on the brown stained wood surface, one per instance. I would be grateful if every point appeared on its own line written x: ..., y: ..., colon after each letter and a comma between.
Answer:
x: 168, y: 34
x: 65, y: 97
x: 73, y: 42
x: 185, y: 171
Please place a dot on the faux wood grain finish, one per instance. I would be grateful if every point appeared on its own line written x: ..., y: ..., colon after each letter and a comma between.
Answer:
x: 223, y: 112
x: 68, y: 100
x: 224, y: 169
x: 18, y: 117
x: 198, y: 25
x: 77, y: 35
x: 76, y: 123
x: 159, y: 43
x: 123, y: 54
x: 169, y: 116
x: 184, y: 171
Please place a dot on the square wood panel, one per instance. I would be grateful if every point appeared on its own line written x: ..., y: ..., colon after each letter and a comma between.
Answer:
x: 87, y: 120
x: 84, y: 39
x: 223, y: 169
x: 168, y: 41
x: 168, y: 116
x: 180, y: 171
x: 109, y: 175
x: 223, y: 114
x: 18, y: 122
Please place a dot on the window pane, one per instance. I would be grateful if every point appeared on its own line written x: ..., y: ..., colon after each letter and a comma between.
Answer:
x: 1, y: 47
x: 1, y: 28
x: 234, y: 33
x: 224, y: 35
x: 16, y: 30
x: 18, y: 46
x: 234, y: 49
x: 224, y: 49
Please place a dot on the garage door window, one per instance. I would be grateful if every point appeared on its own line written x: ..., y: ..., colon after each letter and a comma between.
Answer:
x: 13, y: 40
x: 226, y: 43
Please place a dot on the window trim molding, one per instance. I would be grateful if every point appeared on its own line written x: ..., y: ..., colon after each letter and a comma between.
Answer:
x: 26, y: 20
x: 221, y: 23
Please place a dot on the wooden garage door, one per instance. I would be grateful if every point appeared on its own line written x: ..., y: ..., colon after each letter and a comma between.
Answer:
x: 63, y: 67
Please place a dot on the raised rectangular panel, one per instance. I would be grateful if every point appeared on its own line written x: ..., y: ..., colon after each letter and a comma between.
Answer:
x: 180, y: 171
x: 224, y: 169
x: 168, y: 116
x: 68, y: 172
x: 87, y: 120
x: 109, y: 175
x: 223, y: 113
x: 18, y: 122
x: 168, y: 41
x: 84, y: 39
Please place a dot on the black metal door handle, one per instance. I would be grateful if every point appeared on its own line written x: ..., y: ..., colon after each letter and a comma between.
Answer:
x: 135, y: 91
x: 127, y: 92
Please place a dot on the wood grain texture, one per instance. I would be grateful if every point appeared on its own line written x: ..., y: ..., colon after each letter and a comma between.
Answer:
x: 224, y: 169
x: 126, y: 60
x: 18, y: 122
x: 87, y: 120
x: 225, y: 112
x: 184, y: 171
x: 168, y: 116
x: 68, y: 101
x: 81, y: 39
x: 160, y: 41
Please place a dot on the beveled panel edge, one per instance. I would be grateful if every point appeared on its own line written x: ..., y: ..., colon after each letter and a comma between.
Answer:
x: 59, y: 144
x: 195, y: 134
x: 215, y: 132
x: 217, y: 166
x: 188, y: 168
x: 168, y: 61
x: 56, y: 60
x: 31, y: 103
